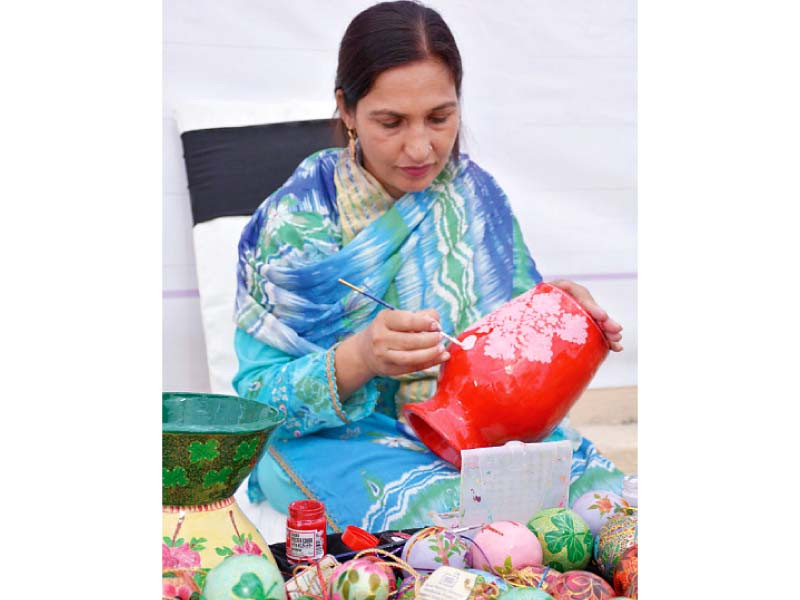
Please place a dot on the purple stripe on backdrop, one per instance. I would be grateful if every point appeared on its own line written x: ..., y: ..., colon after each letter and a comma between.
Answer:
x: 594, y: 276
x: 169, y: 294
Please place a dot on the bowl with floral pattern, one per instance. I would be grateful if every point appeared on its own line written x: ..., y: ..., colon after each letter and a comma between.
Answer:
x: 210, y: 443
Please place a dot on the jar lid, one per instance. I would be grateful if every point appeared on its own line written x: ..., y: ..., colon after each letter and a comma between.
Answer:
x: 356, y: 538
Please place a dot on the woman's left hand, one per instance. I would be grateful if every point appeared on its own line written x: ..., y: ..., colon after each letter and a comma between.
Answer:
x: 609, y: 326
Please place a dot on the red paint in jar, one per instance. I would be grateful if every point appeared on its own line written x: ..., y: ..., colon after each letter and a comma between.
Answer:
x: 306, y: 531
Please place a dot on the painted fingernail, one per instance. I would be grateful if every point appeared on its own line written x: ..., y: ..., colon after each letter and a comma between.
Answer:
x: 434, y: 326
x: 445, y: 356
x: 440, y: 348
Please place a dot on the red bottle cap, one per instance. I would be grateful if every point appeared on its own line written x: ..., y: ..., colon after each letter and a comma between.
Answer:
x: 356, y: 538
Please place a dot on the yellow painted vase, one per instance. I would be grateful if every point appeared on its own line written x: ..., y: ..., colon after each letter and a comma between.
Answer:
x: 210, y: 443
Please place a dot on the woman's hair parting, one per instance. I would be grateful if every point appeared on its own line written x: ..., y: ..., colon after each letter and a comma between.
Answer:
x: 391, y: 34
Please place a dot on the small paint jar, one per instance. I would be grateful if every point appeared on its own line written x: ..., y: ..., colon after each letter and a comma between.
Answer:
x: 306, y: 534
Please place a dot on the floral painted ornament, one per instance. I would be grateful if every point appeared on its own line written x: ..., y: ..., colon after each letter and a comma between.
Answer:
x: 361, y: 579
x: 434, y: 547
x: 244, y: 576
x: 582, y: 585
x: 504, y: 547
x: 616, y: 536
x: 565, y: 538
x: 596, y: 506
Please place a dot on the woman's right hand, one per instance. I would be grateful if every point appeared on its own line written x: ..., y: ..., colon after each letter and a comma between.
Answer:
x: 397, y: 342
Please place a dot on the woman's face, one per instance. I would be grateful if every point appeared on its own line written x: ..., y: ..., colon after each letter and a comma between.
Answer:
x: 407, y: 125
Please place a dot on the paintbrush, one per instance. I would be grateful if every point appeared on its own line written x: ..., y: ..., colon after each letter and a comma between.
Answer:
x: 390, y: 307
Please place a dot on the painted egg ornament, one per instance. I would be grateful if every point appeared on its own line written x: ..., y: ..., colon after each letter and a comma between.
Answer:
x: 526, y: 593
x: 244, y: 576
x: 544, y: 578
x: 596, y: 506
x: 565, y: 538
x: 627, y: 567
x: 434, y: 547
x: 359, y: 579
x: 505, y: 546
x: 616, y: 536
x: 582, y: 585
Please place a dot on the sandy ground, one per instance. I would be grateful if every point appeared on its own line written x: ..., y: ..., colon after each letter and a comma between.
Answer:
x: 608, y: 417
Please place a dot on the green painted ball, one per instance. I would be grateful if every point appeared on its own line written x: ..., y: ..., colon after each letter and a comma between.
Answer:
x: 565, y: 538
x: 244, y: 576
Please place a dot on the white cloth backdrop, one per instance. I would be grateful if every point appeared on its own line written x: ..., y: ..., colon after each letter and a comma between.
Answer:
x: 549, y: 103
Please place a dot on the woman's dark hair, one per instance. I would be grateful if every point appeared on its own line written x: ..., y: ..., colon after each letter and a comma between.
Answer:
x: 391, y: 34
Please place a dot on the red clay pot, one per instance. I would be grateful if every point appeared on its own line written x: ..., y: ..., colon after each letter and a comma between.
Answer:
x: 532, y: 359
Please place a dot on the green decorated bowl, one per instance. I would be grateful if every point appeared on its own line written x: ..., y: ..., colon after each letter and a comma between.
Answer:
x: 210, y: 443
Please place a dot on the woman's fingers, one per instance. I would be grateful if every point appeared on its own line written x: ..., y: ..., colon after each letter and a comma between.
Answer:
x: 395, y: 340
x: 583, y: 297
x: 433, y: 315
x: 436, y: 361
x: 414, y: 360
x: 404, y: 320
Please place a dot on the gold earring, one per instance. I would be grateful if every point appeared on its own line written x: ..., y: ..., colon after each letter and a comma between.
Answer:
x: 351, y: 133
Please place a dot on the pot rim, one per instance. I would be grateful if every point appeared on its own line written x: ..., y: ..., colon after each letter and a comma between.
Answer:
x: 410, y: 411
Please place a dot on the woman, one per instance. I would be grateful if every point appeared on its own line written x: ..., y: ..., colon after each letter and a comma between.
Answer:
x: 403, y: 213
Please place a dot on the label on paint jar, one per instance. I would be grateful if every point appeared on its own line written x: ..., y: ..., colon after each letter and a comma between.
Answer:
x: 303, y: 544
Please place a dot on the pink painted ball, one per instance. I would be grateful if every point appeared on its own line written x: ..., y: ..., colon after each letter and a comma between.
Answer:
x: 434, y: 547
x: 505, y: 546
x: 582, y: 585
x: 596, y: 506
